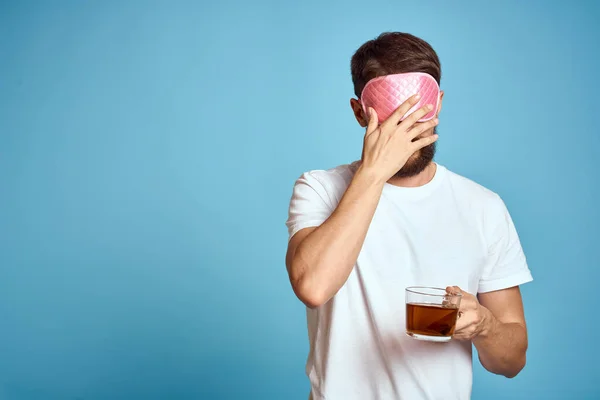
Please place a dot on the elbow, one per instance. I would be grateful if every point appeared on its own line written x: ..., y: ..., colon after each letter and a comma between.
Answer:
x: 310, y: 295
x: 306, y: 288
x: 506, y: 368
x: 519, y: 363
x: 312, y: 302
x: 516, y: 368
x: 519, y: 360
x: 512, y: 374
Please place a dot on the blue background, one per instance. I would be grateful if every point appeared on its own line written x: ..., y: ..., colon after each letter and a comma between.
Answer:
x: 147, y: 156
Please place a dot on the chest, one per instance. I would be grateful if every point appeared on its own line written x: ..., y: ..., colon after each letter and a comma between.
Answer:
x: 430, y: 244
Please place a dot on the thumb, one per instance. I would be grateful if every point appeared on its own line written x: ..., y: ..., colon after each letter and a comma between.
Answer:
x: 373, y: 121
x: 454, y: 290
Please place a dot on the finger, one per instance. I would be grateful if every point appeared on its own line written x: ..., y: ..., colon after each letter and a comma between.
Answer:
x: 373, y: 121
x: 450, y: 289
x: 461, y: 324
x: 397, y: 115
x: 462, y: 336
x: 415, y: 116
x: 420, y: 128
x: 461, y: 332
x: 466, y: 305
x: 468, y: 302
x: 464, y: 323
x: 424, y: 142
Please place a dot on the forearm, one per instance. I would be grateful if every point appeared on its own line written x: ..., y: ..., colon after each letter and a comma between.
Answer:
x: 323, y: 261
x: 502, y: 346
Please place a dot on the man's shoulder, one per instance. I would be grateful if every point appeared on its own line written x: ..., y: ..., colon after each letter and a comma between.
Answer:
x: 476, y: 192
x: 332, y: 179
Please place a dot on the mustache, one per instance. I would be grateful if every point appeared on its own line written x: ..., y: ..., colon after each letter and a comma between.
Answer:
x: 419, y: 161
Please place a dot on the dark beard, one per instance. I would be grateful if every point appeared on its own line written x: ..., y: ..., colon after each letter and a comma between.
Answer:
x: 418, y: 161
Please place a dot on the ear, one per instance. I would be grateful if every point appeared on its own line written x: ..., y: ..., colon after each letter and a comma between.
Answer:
x: 358, y: 112
x: 440, y: 104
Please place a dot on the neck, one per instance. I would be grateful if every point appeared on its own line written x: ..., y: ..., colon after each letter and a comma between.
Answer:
x: 423, y: 178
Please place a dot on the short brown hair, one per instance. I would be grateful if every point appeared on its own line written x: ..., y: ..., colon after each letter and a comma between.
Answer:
x: 393, y: 53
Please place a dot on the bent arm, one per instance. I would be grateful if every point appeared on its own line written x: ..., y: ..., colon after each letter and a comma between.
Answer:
x: 502, y: 346
x: 319, y: 260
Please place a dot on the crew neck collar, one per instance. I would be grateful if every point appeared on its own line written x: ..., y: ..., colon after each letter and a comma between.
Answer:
x: 415, y: 192
x: 418, y: 192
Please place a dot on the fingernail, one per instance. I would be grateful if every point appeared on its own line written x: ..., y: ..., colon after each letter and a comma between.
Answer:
x: 429, y: 106
x: 418, y: 97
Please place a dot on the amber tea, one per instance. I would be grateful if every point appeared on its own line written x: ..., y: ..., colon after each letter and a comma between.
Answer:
x: 430, y: 319
x: 431, y: 313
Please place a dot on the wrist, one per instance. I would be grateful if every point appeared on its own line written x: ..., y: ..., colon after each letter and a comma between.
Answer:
x: 368, y: 176
x: 488, y: 324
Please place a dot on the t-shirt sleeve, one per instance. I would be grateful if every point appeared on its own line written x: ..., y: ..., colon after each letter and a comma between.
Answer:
x: 507, y: 266
x: 310, y: 204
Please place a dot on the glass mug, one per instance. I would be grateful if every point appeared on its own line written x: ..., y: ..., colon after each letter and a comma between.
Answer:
x: 431, y: 313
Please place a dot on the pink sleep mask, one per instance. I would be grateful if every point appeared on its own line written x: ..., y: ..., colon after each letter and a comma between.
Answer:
x: 386, y: 93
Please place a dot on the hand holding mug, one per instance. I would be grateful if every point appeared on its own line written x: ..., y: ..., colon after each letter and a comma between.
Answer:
x: 472, y: 316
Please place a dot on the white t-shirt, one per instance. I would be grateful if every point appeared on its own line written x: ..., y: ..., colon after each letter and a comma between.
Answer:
x: 450, y: 231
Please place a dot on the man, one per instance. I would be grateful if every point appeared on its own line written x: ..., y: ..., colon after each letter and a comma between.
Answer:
x: 361, y: 233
